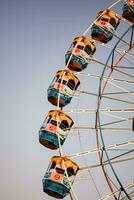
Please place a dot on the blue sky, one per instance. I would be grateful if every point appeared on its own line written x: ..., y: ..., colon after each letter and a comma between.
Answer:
x: 34, y: 36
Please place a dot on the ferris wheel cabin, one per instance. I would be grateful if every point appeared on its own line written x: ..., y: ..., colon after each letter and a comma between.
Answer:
x: 59, y: 177
x: 57, y: 124
x: 62, y: 88
x: 128, y: 10
x: 104, y: 26
x: 79, y: 53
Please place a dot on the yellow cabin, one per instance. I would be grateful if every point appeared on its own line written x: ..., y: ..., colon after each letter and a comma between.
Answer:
x: 79, y: 53
x: 105, y: 25
x: 59, y: 177
x: 64, y: 83
x: 57, y: 124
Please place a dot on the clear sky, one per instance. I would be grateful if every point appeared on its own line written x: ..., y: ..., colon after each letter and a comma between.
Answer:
x: 34, y: 36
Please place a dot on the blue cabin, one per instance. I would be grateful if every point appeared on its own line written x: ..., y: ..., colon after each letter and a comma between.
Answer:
x: 104, y: 26
x: 59, y: 177
x: 128, y: 10
x: 62, y: 88
x: 79, y: 53
x: 57, y: 124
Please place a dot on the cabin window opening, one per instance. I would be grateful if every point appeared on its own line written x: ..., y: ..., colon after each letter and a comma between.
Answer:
x: 74, y: 43
x: 62, y: 81
x: 112, y: 22
x: 57, y: 77
x: 70, y: 171
x: 77, y: 85
x: 59, y: 170
x: 53, y: 165
x: 87, y: 49
x: 80, y: 47
x: 98, y: 19
x: 48, y: 119
x: 104, y: 19
x: 54, y: 122
x: 71, y: 84
x: 64, y: 125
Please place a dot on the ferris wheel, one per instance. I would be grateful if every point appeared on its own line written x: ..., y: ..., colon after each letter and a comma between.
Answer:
x: 90, y: 129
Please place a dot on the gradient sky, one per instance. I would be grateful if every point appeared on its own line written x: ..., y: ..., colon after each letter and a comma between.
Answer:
x: 34, y: 36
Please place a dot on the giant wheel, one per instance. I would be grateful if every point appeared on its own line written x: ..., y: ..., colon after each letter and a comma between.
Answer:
x: 100, y: 100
